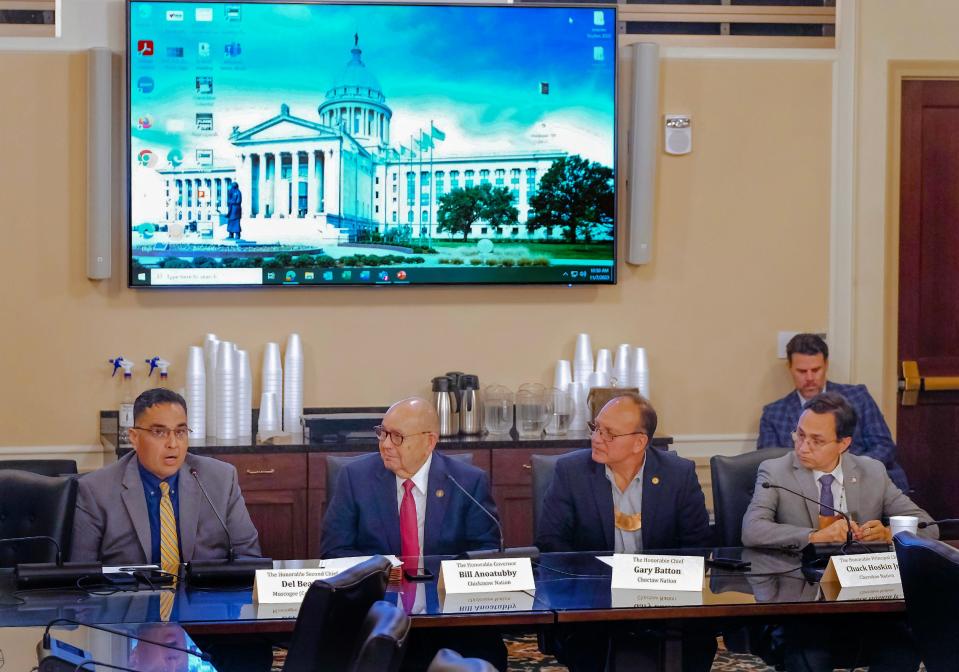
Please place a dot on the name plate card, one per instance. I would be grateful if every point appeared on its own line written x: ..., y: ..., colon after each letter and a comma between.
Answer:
x: 622, y: 598
x: 289, y: 584
x: 494, y: 575
x: 658, y: 572
x: 868, y: 569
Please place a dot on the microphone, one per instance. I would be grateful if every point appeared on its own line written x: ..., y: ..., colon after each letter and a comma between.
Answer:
x: 51, y: 574
x: 503, y: 552
x: 231, y: 570
x: 46, y: 641
x: 924, y: 524
x: 231, y: 553
x: 845, y: 516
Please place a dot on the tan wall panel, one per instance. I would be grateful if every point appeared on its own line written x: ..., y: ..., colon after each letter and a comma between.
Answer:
x: 741, y: 251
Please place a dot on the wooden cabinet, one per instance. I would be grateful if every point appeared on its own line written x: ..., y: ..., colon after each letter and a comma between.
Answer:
x: 511, y: 476
x: 274, y: 487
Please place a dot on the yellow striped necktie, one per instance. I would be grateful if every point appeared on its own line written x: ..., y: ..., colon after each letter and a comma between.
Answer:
x: 169, y: 548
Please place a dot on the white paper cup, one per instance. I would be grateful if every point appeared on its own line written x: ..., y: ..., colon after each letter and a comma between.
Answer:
x: 903, y: 524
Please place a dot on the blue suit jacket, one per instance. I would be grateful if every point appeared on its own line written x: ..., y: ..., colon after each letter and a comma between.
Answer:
x: 577, y: 512
x: 363, y: 518
x: 871, y: 438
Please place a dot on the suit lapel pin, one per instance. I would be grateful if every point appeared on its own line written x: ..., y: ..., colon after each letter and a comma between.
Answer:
x: 440, y: 493
x: 655, y: 480
x: 852, y: 480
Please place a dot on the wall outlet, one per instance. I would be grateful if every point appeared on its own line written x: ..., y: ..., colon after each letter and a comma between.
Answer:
x: 784, y: 337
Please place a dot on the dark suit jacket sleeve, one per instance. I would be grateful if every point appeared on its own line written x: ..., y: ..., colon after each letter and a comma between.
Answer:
x: 88, y: 525
x: 693, y: 518
x: 481, y: 533
x: 556, y: 523
x: 338, y: 539
x: 877, y: 441
x: 767, y: 431
x: 246, y: 542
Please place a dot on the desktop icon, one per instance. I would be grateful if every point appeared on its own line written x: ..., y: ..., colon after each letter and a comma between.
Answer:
x: 308, y: 275
x: 204, y: 122
x: 203, y: 49
x: 145, y: 47
x: 270, y: 275
x: 175, y: 158
x: 144, y: 122
x: 346, y: 275
x: 598, y: 18
x: 174, y: 15
x: 146, y: 85
x: 147, y: 158
x: 364, y: 275
x: 174, y: 52
x: 401, y: 275
x: 203, y: 14
x: 204, y: 86
x: 599, y: 54
x: 232, y: 49
x: 290, y: 276
x: 233, y: 13
x: 204, y: 157
x: 384, y: 276
x: 327, y: 275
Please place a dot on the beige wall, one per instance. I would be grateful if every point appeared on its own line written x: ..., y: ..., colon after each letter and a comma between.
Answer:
x: 895, y: 36
x: 741, y: 251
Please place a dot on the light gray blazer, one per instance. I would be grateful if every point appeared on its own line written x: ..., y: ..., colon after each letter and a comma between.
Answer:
x: 780, y: 519
x: 111, y: 524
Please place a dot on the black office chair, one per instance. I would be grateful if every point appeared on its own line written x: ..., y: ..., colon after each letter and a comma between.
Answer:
x: 43, y: 467
x: 447, y: 660
x: 543, y: 467
x: 382, y: 641
x: 930, y: 582
x: 336, y: 462
x: 332, y: 612
x: 34, y: 505
x: 734, y: 479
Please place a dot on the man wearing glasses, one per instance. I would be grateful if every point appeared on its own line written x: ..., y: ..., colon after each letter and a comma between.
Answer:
x: 626, y: 497
x: 822, y: 468
x: 147, y: 508
x: 403, y: 502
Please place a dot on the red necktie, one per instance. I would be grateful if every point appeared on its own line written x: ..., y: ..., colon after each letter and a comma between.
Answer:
x: 409, y: 534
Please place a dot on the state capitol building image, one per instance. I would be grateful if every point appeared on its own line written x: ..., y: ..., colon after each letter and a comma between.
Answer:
x: 303, y: 180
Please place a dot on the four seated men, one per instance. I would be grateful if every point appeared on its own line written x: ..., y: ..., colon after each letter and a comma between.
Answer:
x: 622, y: 495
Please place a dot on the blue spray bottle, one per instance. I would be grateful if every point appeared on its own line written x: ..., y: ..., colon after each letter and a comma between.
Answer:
x: 163, y: 365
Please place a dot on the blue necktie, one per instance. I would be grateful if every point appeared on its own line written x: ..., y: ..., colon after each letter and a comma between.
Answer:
x: 825, y: 495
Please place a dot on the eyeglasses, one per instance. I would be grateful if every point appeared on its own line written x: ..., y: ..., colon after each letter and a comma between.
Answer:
x: 604, y: 433
x: 163, y: 433
x: 397, y: 438
x: 800, y: 437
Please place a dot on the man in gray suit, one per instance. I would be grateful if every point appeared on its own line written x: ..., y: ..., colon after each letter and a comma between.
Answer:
x: 821, y: 468
x: 119, y: 512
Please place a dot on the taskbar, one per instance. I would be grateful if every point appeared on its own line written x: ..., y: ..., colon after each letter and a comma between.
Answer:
x: 433, y: 275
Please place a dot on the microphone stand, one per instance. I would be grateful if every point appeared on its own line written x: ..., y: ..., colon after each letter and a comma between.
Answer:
x: 521, y: 552
x: 51, y: 574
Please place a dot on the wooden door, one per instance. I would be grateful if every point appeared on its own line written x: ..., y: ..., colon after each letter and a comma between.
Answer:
x: 928, y: 430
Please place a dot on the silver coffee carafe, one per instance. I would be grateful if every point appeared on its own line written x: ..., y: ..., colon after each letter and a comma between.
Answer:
x: 471, y: 410
x: 447, y: 405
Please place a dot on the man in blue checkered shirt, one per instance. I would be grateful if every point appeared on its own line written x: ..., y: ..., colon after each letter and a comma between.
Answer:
x: 808, y: 359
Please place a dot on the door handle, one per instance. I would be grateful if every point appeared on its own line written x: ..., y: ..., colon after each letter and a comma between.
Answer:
x: 913, y: 383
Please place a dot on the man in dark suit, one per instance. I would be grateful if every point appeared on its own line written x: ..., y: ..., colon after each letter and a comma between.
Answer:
x: 404, y: 502
x: 625, y: 497
x: 807, y: 357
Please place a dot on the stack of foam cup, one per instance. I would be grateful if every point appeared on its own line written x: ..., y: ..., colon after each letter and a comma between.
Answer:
x: 582, y: 359
x: 577, y: 398
x: 604, y: 362
x: 226, y: 391
x: 244, y: 394
x: 563, y: 375
x: 621, y: 370
x: 639, y: 371
x: 210, y: 346
x: 195, y: 392
x: 269, y: 420
x: 293, y: 384
x: 272, y: 377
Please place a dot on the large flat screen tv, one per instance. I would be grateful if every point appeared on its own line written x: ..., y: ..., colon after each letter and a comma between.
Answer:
x: 279, y: 143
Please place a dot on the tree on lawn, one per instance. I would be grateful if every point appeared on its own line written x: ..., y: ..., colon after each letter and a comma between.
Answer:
x: 575, y: 194
x: 460, y: 209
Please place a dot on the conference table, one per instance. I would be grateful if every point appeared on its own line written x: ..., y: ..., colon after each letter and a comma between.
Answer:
x: 570, y: 588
